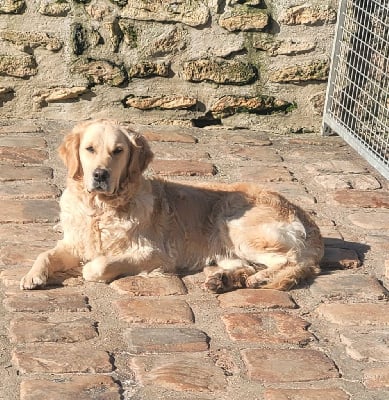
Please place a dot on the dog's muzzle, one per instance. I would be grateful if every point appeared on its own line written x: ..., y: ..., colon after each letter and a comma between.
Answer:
x: 100, y: 180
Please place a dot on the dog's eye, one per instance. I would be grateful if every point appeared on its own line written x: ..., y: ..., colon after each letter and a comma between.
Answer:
x: 118, y: 150
x: 90, y: 149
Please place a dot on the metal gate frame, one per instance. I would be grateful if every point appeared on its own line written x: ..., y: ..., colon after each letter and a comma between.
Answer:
x: 357, y: 98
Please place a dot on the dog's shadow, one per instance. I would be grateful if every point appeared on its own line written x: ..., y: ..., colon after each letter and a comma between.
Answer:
x: 342, y: 254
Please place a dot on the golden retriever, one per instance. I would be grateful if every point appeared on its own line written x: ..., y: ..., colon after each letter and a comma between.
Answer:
x: 117, y: 222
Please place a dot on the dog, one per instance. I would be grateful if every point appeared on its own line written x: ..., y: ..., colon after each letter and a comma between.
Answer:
x: 118, y: 222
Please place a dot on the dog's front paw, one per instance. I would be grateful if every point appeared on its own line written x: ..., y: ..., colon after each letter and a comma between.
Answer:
x: 33, y: 280
x: 94, y: 270
x: 217, y: 280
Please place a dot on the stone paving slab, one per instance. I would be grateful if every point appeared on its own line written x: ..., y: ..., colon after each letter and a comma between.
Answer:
x: 376, y: 378
x: 47, y: 301
x: 182, y: 168
x: 37, y: 328
x: 360, y: 314
x: 28, y: 233
x: 354, y: 286
x: 366, y: 345
x: 155, y: 311
x: 22, y: 254
x: 179, y: 373
x: 256, y: 298
x: 149, y: 286
x: 22, y: 155
x: 85, y: 387
x: 267, y: 328
x: 29, y: 211
x: 21, y: 190
x: 305, y: 394
x: 359, y: 198
x: 60, y: 358
x: 368, y: 220
x: 166, y: 340
x: 18, y: 173
x: 275, y: 366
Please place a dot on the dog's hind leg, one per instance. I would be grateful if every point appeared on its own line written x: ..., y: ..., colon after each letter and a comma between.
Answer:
x: 283, y: 278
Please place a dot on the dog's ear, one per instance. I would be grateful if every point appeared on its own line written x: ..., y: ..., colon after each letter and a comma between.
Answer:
x: 140, y: 156
x: 69, y: 153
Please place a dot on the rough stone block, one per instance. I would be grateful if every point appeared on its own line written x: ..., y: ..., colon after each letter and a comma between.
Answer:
x: 229, y: 105
x: 12, y: 6
x: 186, y: 11
x: 58, y: 94
x: 179, y: 373
x: 358, y: 314
x: 316, y: 70
x: 100, y: 72
x: 267, y: 327
x: 273, y: 366
x: 31, y: 40
x: 58, y: 358
x: 306, y: 15
x: 155, y: 311
x: 148, y: 69
x: 36, y: 328
x: 244, y: 19
x: 149, y: 285
x: 287, y: 47
x: 166, y: 340
x: 83, y: 387
x: 161, y: 102
x: 55, y: 9
x: 258, y: 298
x: 224, y: 72
x: 19, y: 66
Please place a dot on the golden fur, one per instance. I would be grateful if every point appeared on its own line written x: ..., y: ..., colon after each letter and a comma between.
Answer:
x: 117, y: 222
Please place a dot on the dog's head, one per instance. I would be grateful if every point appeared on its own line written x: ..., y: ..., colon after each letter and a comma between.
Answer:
x: 104, y: 154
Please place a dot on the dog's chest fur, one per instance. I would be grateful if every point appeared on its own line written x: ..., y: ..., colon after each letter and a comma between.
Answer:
x: 101, y: 230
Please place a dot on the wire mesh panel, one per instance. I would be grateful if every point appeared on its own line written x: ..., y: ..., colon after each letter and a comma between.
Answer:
x: 357, y: 102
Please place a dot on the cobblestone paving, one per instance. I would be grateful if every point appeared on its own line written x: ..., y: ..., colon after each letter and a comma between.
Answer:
x: 165, y: 337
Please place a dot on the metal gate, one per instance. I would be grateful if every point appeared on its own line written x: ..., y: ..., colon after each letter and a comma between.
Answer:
x: 357, y: 101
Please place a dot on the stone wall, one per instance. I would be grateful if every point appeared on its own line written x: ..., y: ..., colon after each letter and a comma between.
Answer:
x: 259, y: 64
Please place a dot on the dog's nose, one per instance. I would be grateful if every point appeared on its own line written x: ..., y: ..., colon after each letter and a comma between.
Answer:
x: 100, y: 175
